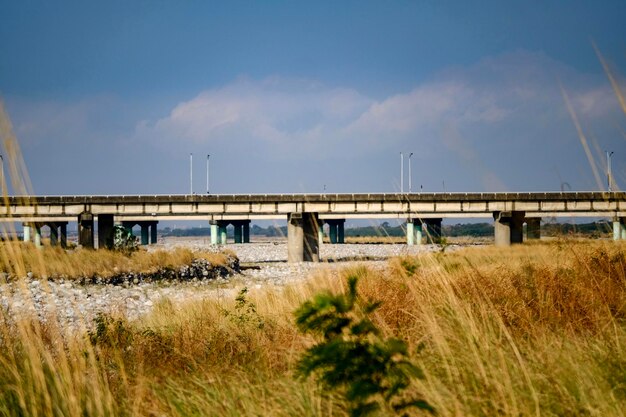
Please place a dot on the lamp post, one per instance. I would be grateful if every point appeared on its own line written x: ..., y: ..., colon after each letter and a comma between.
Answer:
x: 401, y: 173
x: 2, y: 173
x: 207, y: 173
x: 191, y: 173
x: 608, y: 169
x: 410, y: 155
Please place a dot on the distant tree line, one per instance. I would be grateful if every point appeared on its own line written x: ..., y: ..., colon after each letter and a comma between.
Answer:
x: 593, y: 229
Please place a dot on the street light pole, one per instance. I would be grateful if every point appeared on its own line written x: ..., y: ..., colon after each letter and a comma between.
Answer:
x: 191, y: 173
x: 207, y: 173
x: 410, y: 155
x: 2, y: 173
x: 401, y: 173
x: 608, y: 169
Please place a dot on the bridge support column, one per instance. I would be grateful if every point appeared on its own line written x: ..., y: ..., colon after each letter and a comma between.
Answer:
x: 222, y: 231
x: 85, y: 230
x: 238, y: 233
x: 242, y: 231
x: 58, y: 232
x: 54, y: 234
x: 619, y: 228
x: 320, y: 232
x: 341, y: 231
x: 303, y: 237
x: 105, y: 231
x: 336, y: 230
x: 533, y: 228
x: 153, y: 233
x: 413, y: 232
x: 214, y: 232
x: 63, y: 234
x: 145, y: 232
x: 508, y: 227
x: 26, y: 232
x: 433, y: 230
x: 332, y: 232
x: 246, y: 231
x: 38, y: 235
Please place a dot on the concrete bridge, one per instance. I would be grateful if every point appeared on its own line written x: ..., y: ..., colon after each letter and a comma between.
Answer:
x: 306, y: 213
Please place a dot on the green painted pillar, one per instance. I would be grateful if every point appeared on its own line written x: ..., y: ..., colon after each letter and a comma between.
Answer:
x: 418, y: 232
x: 433, y: 230
x: 332, y: 232
x: 27, y: 230
x: 246, y: 231
x: 54, y: 234
x: 38, y: 236
x: 153, y: 233
x: 238, y: 232
x: 144, y: 233
x: 214, y: 233
x: 320, y: 232
x: 410, y: 233
x: 341, y: 231
x: 223, y: 235
x: 618, y: 228
x: 63, y: 234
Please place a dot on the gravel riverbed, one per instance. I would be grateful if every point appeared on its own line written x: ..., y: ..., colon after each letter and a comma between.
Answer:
x: 263, y: 265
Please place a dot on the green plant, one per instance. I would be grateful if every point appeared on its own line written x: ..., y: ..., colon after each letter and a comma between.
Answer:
x: 110, y: 332
x: 245, y: 311
x: 352, y: 356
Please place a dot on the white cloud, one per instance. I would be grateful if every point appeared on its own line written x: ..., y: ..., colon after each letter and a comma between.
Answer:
x: 498, y: 124
x: 518, y: 88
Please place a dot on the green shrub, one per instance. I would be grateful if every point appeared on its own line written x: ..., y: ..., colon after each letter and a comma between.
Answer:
x: 352, y: 356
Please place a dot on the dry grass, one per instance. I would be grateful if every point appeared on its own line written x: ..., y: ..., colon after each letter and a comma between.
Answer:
x: 18, y: 258
x: 531, y: 330
x: 374, y: 239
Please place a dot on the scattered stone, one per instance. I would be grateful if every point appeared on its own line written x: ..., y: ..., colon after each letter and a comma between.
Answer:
x: 75, y: 303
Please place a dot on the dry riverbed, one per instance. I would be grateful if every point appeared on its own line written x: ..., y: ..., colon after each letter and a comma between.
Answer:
x: 263, y: 264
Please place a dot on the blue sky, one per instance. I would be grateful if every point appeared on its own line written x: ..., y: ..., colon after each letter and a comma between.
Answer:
x: 111, y: 97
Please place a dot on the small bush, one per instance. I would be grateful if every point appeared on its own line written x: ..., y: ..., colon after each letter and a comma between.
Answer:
x: 352, y: 356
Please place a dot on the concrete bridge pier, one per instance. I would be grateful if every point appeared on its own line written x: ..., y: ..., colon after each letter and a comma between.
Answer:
x: 85, y: 230
x: 242, y: 231
x: 508, y: 227
x: 303, y: 237
x: 218, y: 232
x: 533, y: 228
x: 63, y: 234
x: 619, y: 228
x: 320, y: 232
x: 238, y: 232
x: 105, y: 231
x: 153, y: 232
x: 336, y: 230
x: 332, y: 232
x: 214, y: 232
x: 413, y: 232
x: 145, y: 233
x: 54, y: 234
x: 223, y: 237
x: 148, y: 230
x: 433, y: 230
x: 58, y: 230
x: 37, y: 236
x: 26, y: 232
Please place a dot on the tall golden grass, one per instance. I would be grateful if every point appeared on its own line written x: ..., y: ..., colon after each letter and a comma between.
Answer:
x: 529, y: 330
x: 19, y: 258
